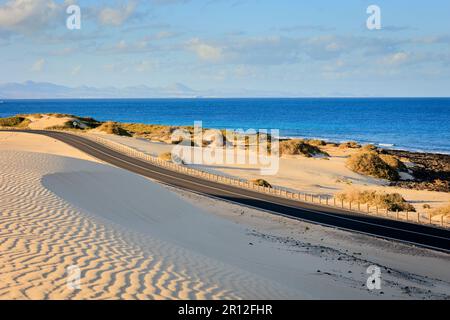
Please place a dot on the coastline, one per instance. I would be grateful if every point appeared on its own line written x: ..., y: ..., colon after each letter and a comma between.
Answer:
x: 381, y: 145
x: 411, y: 124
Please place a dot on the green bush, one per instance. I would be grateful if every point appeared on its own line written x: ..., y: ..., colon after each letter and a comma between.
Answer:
x: 16, y: 121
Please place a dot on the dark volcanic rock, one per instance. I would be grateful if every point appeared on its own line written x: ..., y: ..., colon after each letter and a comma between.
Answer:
x: 431, y: 171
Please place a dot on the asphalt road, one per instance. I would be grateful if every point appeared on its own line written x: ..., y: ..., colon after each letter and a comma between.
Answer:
x: 419, y: 235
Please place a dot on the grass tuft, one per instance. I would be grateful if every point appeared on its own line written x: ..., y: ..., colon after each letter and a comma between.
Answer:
x: 390, y: 201
x: 350, y: 145
x: 113, y: 128
x: 300, y: 147
x: 445, y: 211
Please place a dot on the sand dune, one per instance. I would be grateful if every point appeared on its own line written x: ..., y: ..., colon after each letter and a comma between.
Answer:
x: 117, y: 248
x: 312, y: 175
x: 132, y: 238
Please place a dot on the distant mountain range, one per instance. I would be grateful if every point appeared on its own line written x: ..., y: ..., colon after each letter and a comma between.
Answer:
x: 45, y: 90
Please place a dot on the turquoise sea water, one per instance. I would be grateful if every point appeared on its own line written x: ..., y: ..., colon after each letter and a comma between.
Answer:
x: 421, y: 124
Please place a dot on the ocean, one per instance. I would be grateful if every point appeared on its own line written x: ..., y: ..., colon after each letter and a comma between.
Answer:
x: 416, y: 124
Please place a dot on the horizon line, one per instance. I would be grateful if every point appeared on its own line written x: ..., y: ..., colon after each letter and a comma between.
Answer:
x: 232, y: 97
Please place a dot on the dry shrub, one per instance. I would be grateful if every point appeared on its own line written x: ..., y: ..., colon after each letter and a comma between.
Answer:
x: 261, y: 183
x: 169, y: 157
x: 371, y: 164
x: 16, y: 121
x: 299, y: 147
x: 166, y: 156
x: 155, y: 132
x: 369, y: 147
x: 113, y: 128
x: 393, y: 162
x: 445, y: 211
x: 317, y: 142
x: 350, y: 145
x: 390, y: 201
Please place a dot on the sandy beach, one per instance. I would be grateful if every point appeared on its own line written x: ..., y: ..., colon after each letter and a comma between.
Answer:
x: 132, y: 238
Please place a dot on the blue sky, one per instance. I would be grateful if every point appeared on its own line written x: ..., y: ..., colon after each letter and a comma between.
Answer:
x: 285, y: 47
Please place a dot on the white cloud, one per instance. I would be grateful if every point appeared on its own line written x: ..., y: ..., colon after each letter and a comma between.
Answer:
x: 38, y: 65
x: 205, y: 51
x: 396, y: 58
x: 121, y: 45
x: 76, y: 70
x: 27, y: 16
x: 144, y: 65
x: 117, y: 16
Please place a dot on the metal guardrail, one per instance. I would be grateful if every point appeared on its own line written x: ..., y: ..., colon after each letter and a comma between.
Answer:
x: 321, y: 200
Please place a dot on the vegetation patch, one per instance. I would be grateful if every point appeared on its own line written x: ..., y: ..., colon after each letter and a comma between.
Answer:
x: 390, y: 201
x: 169, y: 157
x: 393, y: 162
x: 155, y: 132
x: 371, y: 164
x: 350, y: 145
x: 261, y: 183
x: 445, y: 211
x: 317, y: 142
x: 369, y: 147
x: 300, y: 147
x: 113, y: 128
x: 16, y: 122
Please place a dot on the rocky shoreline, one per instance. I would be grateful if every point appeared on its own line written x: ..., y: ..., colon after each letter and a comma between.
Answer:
x: 431, y: 171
